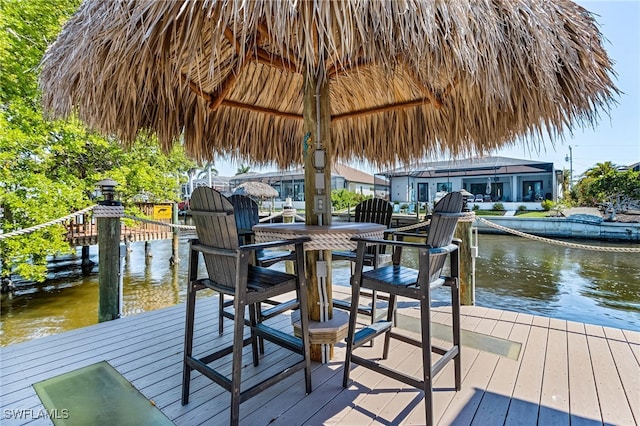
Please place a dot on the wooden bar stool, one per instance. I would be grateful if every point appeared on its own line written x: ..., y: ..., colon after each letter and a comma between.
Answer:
x: 398, y: 280
x: 229, y: 271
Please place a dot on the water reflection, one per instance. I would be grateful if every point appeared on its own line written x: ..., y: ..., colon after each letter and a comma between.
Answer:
x: 580, y: 285
x: 512, y: 274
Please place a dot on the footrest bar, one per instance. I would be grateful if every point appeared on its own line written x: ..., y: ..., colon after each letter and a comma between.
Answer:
x: 366, y: 334
x: 279, y: 308
x: 346, y: 306
x: 406, y: 339
x: 222, y: 352
x: 288, y: 341
x: 205, y: 370
x: 440, y: 364
x: 256, y: 389
x: 372, y: 365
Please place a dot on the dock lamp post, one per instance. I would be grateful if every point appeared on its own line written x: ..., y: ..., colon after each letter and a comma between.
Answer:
x: 108, y: 213
x: 569, y: 158
x: 107, y: 188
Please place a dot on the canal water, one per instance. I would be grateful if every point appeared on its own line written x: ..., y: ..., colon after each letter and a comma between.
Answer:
x: 513, y: 274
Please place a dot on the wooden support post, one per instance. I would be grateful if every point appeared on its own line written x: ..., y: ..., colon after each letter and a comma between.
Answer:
x: 108, y: 265
x: 86, y: 264
x: 147, y: 252
x: 317, y: 194
x: 175, y: 242
x: 288, y: 216
x: 463, y: 232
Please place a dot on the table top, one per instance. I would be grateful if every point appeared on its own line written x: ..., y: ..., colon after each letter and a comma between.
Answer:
x: 336, y: 236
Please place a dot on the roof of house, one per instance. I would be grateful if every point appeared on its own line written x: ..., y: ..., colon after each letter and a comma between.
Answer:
x: 634, y: 166
x: 471, y: 167
x: 350, y: 174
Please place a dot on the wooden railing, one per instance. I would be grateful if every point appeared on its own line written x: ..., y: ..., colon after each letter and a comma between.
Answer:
x: 82, y: 231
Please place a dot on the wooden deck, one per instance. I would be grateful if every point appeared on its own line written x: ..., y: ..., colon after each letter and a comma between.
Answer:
x: 565, y: 373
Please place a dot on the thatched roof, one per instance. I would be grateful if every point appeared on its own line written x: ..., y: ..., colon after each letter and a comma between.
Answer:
x: 256, y: 189
x: 408, y: 79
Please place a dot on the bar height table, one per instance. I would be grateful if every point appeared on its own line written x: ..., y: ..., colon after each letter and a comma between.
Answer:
x: 336, y: 236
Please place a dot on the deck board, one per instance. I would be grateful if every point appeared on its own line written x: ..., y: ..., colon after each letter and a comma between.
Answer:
x: 554, y: 400
x: 628, y: 369
x: 584, y: 405
x: 464, y: 404
x: 525, y: 400
x: 566, y: 373
x: 495, y: 402
x: 613, y: 401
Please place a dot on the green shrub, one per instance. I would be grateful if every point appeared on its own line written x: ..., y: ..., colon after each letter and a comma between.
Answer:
x: 498, y: 207
x: 343, y: 198
x: 476, y: 207
x: 546, y: 205
x: 522, y: 208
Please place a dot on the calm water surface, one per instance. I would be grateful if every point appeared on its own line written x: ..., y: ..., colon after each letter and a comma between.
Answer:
x: 512, y: 274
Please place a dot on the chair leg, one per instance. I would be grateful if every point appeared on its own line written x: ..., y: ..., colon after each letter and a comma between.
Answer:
x: 425, y: 315
x: 353, y: 316
x: 236, y: 371
x: 220, y: 310
x: 455, y: 311
x: 306, y: 342
x: 188, y: 342
x: 374, y: 303
x: 391, y: 314
x: 259, y: 319
x: 253, y: 320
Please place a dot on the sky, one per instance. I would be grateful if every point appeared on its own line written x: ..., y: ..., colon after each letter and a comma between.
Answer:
x: 616, y: 136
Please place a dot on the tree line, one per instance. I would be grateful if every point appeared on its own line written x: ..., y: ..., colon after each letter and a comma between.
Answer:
x: 48, y: 169
x: 603, y: 182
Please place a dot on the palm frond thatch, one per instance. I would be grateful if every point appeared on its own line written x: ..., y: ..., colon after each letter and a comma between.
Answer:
x: 256, y: 189
x: 407, y: 79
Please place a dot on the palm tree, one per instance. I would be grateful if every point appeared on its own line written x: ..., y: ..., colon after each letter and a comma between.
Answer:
x: 242, y: 169
x: 601, y: 169
x: 191, y: 173
x: 210, y: 171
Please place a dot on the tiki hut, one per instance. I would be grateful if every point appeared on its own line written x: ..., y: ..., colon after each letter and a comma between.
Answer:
x: 256, y: 189
x: 399, y: 80
x: 313, y: 82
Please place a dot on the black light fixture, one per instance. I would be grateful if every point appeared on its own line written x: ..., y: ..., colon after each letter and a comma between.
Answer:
x: 107, y: 188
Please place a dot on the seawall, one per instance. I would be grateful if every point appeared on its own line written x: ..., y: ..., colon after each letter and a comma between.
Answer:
x: 578, y: 226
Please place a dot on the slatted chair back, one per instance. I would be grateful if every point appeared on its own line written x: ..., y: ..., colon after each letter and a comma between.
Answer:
x: 245, y: 210
x: 215, y: 222
x: 374, y: 210
x: 442, y: 228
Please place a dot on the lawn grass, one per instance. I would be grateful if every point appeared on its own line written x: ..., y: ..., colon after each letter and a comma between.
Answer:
x: 519, y: 213
x: 532, y: 214
x: 489, y: 212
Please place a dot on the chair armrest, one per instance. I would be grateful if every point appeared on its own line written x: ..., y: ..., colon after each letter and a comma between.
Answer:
x: 245, y: 232
x: 389, y: 232
x: 443, y: 250
x: 195, y: 245
x: 409, y: 234
x: 278, y: 243
x: 213, y: 250
x: 387, y: 242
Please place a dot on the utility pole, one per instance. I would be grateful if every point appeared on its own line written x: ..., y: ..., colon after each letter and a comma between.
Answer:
x: 569, y: 158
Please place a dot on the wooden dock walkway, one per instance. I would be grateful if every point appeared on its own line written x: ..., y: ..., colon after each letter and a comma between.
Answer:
x: 556, y: 373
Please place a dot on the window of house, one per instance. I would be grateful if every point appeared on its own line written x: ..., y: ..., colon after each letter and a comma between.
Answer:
x: 423, y: 192
x: 444, y: 186
x: 477, y: 188
x: 532, y: 190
